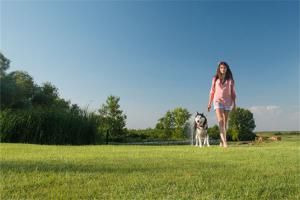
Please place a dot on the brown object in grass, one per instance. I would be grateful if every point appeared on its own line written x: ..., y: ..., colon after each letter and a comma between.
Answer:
x: 275, y: 138
x: 261, y: 138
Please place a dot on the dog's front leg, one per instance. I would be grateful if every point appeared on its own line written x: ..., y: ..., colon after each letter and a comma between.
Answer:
x: 204, y: 141
x: 207, y: 140
x: 200, y: 140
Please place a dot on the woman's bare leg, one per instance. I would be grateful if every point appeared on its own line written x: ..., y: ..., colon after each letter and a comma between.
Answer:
x: 220, y: 117
x: 225, y: 116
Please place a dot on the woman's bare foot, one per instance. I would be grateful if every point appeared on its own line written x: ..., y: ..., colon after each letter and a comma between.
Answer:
x: 221, y: 144
x: 225, y: 145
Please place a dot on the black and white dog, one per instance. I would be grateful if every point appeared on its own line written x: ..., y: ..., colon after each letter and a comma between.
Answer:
x: 200, y: 129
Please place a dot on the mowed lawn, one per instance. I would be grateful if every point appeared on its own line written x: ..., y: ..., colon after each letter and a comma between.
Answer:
x: 265, y: 171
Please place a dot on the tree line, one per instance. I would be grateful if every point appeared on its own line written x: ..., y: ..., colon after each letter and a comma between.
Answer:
x: 32, y: 113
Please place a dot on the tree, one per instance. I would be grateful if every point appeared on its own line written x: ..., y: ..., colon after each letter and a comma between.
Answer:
x: 16, y: 87
x: 45, y: 95
x: 4, y: 65
x: 16, y: 90
x: 8, y: 86
x: 24, y: 89
x: 214, y: 132
x: 7, y: 91
x: 36, y: 114
x: 241, y: 124
x: 112, y: 120
x: 175, y: 123
x: 168, y: 124
x: 181, y: 117
x: 160, y: 124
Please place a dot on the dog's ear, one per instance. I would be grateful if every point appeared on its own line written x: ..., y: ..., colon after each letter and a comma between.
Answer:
x: 197, y: 113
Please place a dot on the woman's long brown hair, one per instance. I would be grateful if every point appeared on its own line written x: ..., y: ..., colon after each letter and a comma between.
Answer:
x: 228, y: 74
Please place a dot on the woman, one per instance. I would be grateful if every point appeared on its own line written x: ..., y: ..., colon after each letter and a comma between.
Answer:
x: 223, y: 95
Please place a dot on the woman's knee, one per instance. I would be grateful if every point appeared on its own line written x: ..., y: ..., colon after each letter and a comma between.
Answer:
x: 226, y: 115
x: 221, y: 125
x: 221, y: 121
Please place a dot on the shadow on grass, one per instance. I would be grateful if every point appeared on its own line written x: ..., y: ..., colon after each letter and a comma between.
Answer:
x: 120, y: 168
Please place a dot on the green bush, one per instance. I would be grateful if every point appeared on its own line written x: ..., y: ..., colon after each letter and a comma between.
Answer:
x: 48, y: 126
x: 214, y: 132
x: 246, y: 136
x: 241, y: 125
x: 141, y: 135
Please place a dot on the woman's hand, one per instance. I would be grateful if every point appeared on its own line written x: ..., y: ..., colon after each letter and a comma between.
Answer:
x: 208, y: 107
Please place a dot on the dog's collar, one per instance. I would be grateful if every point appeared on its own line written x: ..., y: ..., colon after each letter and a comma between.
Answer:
x: 199, y: 126
x: 203, y: 126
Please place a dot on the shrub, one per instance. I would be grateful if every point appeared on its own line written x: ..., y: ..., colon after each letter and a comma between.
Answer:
x: 48, y: 126
x: 214, y: 132
x: 241, y: 125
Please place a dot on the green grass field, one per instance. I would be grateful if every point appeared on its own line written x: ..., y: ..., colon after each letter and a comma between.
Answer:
x: 263, y: 171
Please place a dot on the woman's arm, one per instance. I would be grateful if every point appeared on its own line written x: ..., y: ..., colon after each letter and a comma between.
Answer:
x: 211, y: 97
x: 209, y: 102
x: 233, y: 94
x: 211, y: 94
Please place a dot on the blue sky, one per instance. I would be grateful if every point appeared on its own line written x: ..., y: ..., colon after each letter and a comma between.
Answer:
x: 160, y: 55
